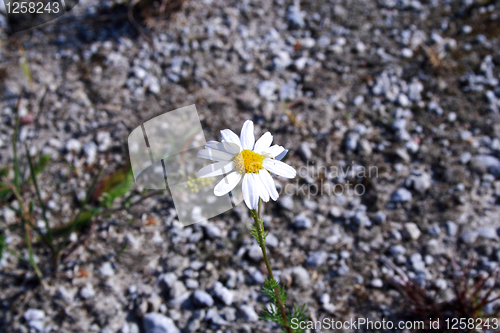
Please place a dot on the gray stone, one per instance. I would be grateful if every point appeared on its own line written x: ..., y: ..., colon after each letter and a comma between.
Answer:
x: 87, y: 291
x: 317, y: 259
x: 380, y: 217
x: 90, y: 150
x: 106, y: 269
x: 365, y: 147
x: 401, y: 195
x: 37, y: 325
x: 434, y: 107
x: 397, y: 250
x: 351, y: 141
x: 33, y: 314
x: 360, y: 47
x: 248, y: 101
x: 361, y: 219
x: 469, y: 237
x: 377, y: 283
x: 202, y: 299
x: 193, y: 325
x: 9, y: 215
x: 487, y: 163
x: 288, y: 90
x: 158, y: 323
x: 452, y: 116
x: 487, y: 233
x: 212, y: 231
x: 441, y: 284
x: 254, y: 252
x: 414, y: 90
x: 249, y: 313
x: 258, y: 277
x: 166, y: 280
x: 358, y: 100
x: 302, y: 222
x: 63, y: 294
x: 305, y: 151
x: 223, y: 294
x: 73, y: 145
x: 434, y: 230
x: 343, y: 269
x: 329, y: 307
x: 417, y: 262
x: 407, y: 53
x: 361, y: 129
x: 403, y: 100
x: 301, y: 277
x: 335, y: 212
x: 266, y: 89
x: 420, y: 181
x: 403, y: 136
x: 229, y: 314
x: 411, y: 230
x: 139, y: 72
x: 465, y: 157
x: 399, y: 124
x: 286, y: 202
x: 104, y: 141
x: 215, y: 318
x: 465, y: 135
x: 153, y: 84
x: 451, y: 228
x: 191, y: 284
x: 176, y: 289
x: 272, y: 241
x: 435, y: 247
x: 154, y: 302
x: 295, y: 17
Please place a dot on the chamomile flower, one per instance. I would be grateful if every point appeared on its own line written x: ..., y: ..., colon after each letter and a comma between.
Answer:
x: 241, y: 158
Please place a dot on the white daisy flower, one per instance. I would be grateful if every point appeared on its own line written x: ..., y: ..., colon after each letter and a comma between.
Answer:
x: 243, y: 158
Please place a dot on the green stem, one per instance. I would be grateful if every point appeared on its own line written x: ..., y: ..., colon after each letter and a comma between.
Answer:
x: 257, y: 217
x: 30, y: 250
x: 17, y: 173
x: 40, y: 201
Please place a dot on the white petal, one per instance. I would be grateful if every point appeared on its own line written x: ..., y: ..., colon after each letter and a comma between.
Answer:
x: 275, y: 150
x: 268, y: 182
x: 230, y: 136
x: 215, y: 169
x: 247, y: 138
x: 279, y: 168
x: 227, y: 147
x: 227, y: 184
x: 280, y: 156
x: 263, y: 143
x: 259, y: 185
x: 250, y: 195
x: 215, y: 155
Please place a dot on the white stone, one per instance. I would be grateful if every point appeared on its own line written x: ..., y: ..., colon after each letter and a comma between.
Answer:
x: 158, y: 323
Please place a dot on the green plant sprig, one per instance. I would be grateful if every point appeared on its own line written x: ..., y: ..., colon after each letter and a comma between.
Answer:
x: 276, y: 312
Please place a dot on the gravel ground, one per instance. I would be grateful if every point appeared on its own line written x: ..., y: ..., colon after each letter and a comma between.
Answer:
x: 409, y: 88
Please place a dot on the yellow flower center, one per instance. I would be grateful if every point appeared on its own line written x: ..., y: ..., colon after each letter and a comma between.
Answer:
x: 248, y: 161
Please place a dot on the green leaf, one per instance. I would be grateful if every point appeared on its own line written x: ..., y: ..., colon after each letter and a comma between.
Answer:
x: 81, y: 221
x: 120, y: 187
x: 4, y: 189
x: 41, y: 164
x: 25, y: 67
x: 300, y: 313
